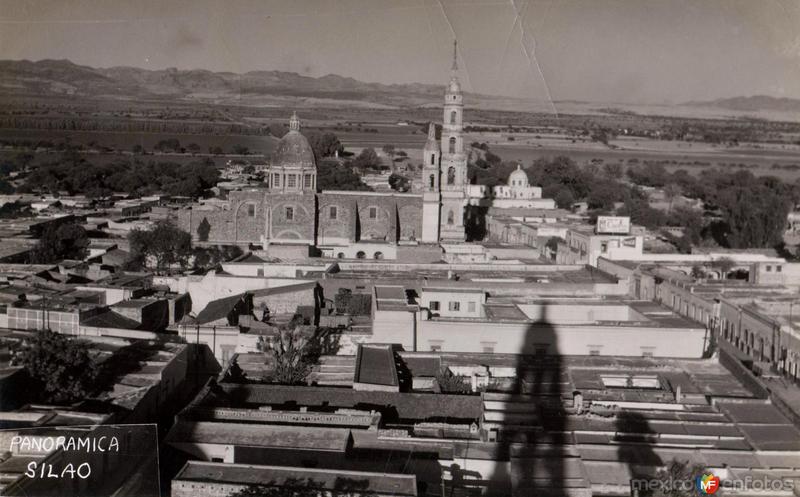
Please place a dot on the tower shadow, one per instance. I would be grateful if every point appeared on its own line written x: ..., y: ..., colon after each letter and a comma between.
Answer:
x: 532, y: 436
x: 634, y: 438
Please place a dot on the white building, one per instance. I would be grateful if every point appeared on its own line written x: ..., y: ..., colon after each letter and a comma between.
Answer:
x: 517, y: 193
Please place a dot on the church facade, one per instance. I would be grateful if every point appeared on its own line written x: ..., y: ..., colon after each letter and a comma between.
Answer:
x: 290, y: 210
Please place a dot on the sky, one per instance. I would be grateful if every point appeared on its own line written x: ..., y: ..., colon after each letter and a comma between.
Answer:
x: 625, y: 51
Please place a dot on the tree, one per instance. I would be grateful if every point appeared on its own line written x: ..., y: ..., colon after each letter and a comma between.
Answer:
x: 203, y: 229
x: 564, y: 198
x: 61, y: 367
x: 332, y: 176
x: 325, y: 145
x: 67, y: 241
x: 755, y: 215
x: 207, y: 257
x: 14, y: 210
x: 552, y: 243
x: 367, y: 159
x: 612, y: 170
x: 604, y: 195
x: 399, y: 183
x: 451, y: 383
x: 678, y: 479
x: 650, y: 174
x: 74, y: 174
x: 300, y: 487
x: 388, y: 149
x: 168, y: 145
x: 692, y: 222
x: 164, y: 243
x: 292, y: 353
x: 637, y: 207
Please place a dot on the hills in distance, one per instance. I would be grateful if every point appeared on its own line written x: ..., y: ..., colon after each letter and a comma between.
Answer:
x: 46, y: 78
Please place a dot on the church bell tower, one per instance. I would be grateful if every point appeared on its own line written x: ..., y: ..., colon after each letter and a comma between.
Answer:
x: 453, y: 168
x: 431, y: 193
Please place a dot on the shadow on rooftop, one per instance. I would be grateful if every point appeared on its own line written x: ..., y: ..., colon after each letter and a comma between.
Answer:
x: 531, y: 437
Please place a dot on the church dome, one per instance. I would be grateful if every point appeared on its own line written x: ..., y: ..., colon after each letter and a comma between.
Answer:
x: 454, y: 86
x: 518, y: 177
x: 293, y: 150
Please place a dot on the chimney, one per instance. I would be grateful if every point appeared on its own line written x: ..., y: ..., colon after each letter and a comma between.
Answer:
x: 577, y: 402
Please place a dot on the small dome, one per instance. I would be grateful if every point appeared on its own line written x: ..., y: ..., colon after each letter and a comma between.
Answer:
x: 518, y: 177
x: 454, y: 86
x: 293, y: 149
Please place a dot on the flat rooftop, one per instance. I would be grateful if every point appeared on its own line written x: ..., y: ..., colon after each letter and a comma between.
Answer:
x: 392, y: 298
x: 255, y: 435
x: 619, y: 312
x: 245, y: 474
x: 514, y: 273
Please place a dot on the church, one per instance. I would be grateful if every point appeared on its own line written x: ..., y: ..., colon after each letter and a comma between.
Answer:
x: 290, y: 212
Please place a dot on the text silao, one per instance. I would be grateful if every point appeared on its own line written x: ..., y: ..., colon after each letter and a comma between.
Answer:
x: 46, y: 445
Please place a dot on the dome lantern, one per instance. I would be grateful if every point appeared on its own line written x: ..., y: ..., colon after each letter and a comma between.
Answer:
x: 294, y: 122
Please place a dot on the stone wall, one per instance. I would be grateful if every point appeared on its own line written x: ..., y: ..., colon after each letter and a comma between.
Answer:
x: 324, y: 218
x: 292, y: 217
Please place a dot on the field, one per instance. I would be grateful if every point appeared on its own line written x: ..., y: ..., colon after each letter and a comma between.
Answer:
x: 776, y: 152
x: 778, y: 160
x: 124, y: 141
x: 783, y: 163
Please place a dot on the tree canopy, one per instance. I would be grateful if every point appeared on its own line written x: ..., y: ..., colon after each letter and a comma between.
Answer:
x: 66, y: 241
x: 399, y: 183
x: 165, y: 244
x: 61, y: 366
x: 367, y: 159
x: 308, y: 487
x: 334, y: 176
x: 75, y: 175
x: 744, y: 211
x: 208, y: 257
x: 324, y: 145
x: 679, y: 478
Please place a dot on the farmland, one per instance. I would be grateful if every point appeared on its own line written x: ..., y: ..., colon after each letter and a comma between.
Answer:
x: 765, y: 148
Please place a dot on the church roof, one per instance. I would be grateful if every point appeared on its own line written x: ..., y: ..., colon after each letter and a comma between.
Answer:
x: 431, y: 145
x: 293, y: 150
x: 519, y: 175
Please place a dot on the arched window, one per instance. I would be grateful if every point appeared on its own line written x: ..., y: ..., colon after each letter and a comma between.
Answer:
x: 340, y: 255
x: 433, y: 159
x: 451, y: 175
x: 378, y: 255
x: 452, y: 145
x: 450, y: 217
x: 360, y: 255
x: 433, y: 181
x: 453, y: 115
